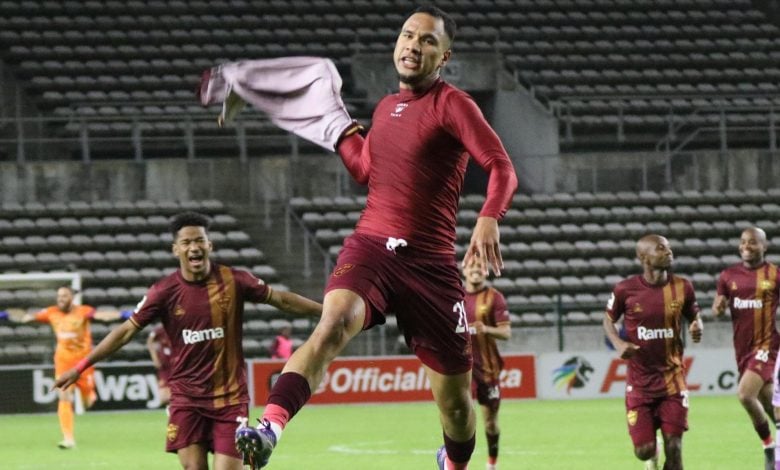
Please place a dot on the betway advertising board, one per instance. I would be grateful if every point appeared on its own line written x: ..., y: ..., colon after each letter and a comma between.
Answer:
x: 603, y: 374
x: 387, y: 379
x: 119, y: 386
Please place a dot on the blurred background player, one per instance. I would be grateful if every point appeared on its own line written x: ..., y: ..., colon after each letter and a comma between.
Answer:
x: 160, y: 350
x: 488, y: 319
x: 750, y: 290
x: 282, y: 346
x: 201, y: 306
x: 652, y: 306
x: 402, y: 254
x: 70, y: 323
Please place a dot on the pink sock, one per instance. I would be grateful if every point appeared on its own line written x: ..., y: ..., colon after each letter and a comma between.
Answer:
x: 276, y: 414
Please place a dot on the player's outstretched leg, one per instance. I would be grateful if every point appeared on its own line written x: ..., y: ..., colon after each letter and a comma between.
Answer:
x: 255, y: 444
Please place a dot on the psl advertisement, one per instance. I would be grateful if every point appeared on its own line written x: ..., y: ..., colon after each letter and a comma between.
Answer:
x: 603, y: 374
x: 387, y: 379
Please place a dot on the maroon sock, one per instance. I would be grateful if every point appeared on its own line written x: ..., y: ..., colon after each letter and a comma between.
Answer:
x: 291, y: 391
x: 492, y: 442
x: 763, y: 430
x: 459, y: 452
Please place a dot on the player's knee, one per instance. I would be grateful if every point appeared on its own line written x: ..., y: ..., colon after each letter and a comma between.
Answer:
x: 456, y: 414
x: 491, y: 427
x: 645, y: 451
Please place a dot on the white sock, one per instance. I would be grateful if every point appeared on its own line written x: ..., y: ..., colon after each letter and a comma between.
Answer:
x: 277, y: 430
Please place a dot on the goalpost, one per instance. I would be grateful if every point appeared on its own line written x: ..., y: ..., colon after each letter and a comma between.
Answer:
x: 37, y: 281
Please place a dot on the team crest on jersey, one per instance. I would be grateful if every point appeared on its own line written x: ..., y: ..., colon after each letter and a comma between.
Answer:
x: 179, y: 310
x: 637, y: 308
x: 173, y: 431
x: 733, y: 285
x: 675, y: 306
x: 483, y: 310
x: 399, y: 108
x: 766, y: 285
x: 631, y: 417
x: 223, y: 302
x: 343, y: 269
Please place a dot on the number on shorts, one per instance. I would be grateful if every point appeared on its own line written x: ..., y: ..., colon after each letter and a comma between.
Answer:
x: 762, y: 355
x: 463, y: 323
x: 685, y: 402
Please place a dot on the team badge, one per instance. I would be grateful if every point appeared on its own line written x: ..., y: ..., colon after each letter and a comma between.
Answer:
x: 637, y: 308
x: 767, y: 285
x: 173, y: 431
x: 675, y: 306
x: 733, y: 285
x: 343, y: 269
x: 178, y: 311
x: 631, y: 417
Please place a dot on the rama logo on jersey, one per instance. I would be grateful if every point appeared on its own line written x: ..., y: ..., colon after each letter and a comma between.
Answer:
x: 574, y: 373
x: 198, y: 336
x: 647, y: 334
x: 748, y: 303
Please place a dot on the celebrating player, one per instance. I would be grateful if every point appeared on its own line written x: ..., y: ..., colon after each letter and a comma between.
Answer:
x: 70, y: 323
x: 750, y: 290
x: 201, y: 306
x: 652, y: 305
x: 159, y: 346
x: 402, y: 255
x: 488, y: 321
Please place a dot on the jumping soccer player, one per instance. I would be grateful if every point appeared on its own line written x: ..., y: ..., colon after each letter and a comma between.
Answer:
x: 401, y: 256
x: 750, y: 290
x: 489, y: 321
x: 652, y: 306
x: 201, y: 306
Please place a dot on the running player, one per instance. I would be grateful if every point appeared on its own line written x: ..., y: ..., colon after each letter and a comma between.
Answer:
x: 201, y: 306
x: 488, y: 320
x: 160, y: 350
x: 652, y: 306
x: 750, y: 290
x: 401, y: 256
x: 70, y: 323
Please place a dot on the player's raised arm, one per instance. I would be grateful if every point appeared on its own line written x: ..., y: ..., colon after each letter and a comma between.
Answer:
x: 294, y: 303
x: 117, y: 338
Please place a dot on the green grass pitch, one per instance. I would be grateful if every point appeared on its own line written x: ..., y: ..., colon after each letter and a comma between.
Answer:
x: 535, y: 435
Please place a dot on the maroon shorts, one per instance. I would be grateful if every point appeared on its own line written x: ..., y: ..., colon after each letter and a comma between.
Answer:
x: 760, y: 362
x: 423, y: 290
x: 647, y: 414
x: 215, y: 429
x: 487, y: 393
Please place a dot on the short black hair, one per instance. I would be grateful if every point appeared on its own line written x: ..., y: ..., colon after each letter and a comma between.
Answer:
x: 188, y: 219
x: 436, y: 12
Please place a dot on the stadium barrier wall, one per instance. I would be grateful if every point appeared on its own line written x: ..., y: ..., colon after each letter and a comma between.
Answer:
x: 386, y: 379
x: 573, y: 375
x: 119, y: 385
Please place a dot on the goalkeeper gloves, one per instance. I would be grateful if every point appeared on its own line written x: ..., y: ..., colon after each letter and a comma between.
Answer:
x: 125, y: 314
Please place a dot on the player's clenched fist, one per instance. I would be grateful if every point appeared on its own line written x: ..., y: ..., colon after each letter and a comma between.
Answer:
x: 67, y: 379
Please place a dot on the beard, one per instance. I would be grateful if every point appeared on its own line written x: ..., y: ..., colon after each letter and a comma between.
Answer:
x: 411, y: 80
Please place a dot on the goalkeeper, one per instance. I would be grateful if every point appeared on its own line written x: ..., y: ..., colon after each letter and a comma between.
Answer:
x: 70, y: 323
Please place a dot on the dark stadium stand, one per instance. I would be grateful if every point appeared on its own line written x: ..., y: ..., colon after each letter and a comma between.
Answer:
x: 577, y: 246
x: 119, y: 249
x: 599, y: 64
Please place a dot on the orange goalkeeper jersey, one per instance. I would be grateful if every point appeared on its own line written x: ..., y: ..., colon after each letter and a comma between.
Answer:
x: 74, y: 339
